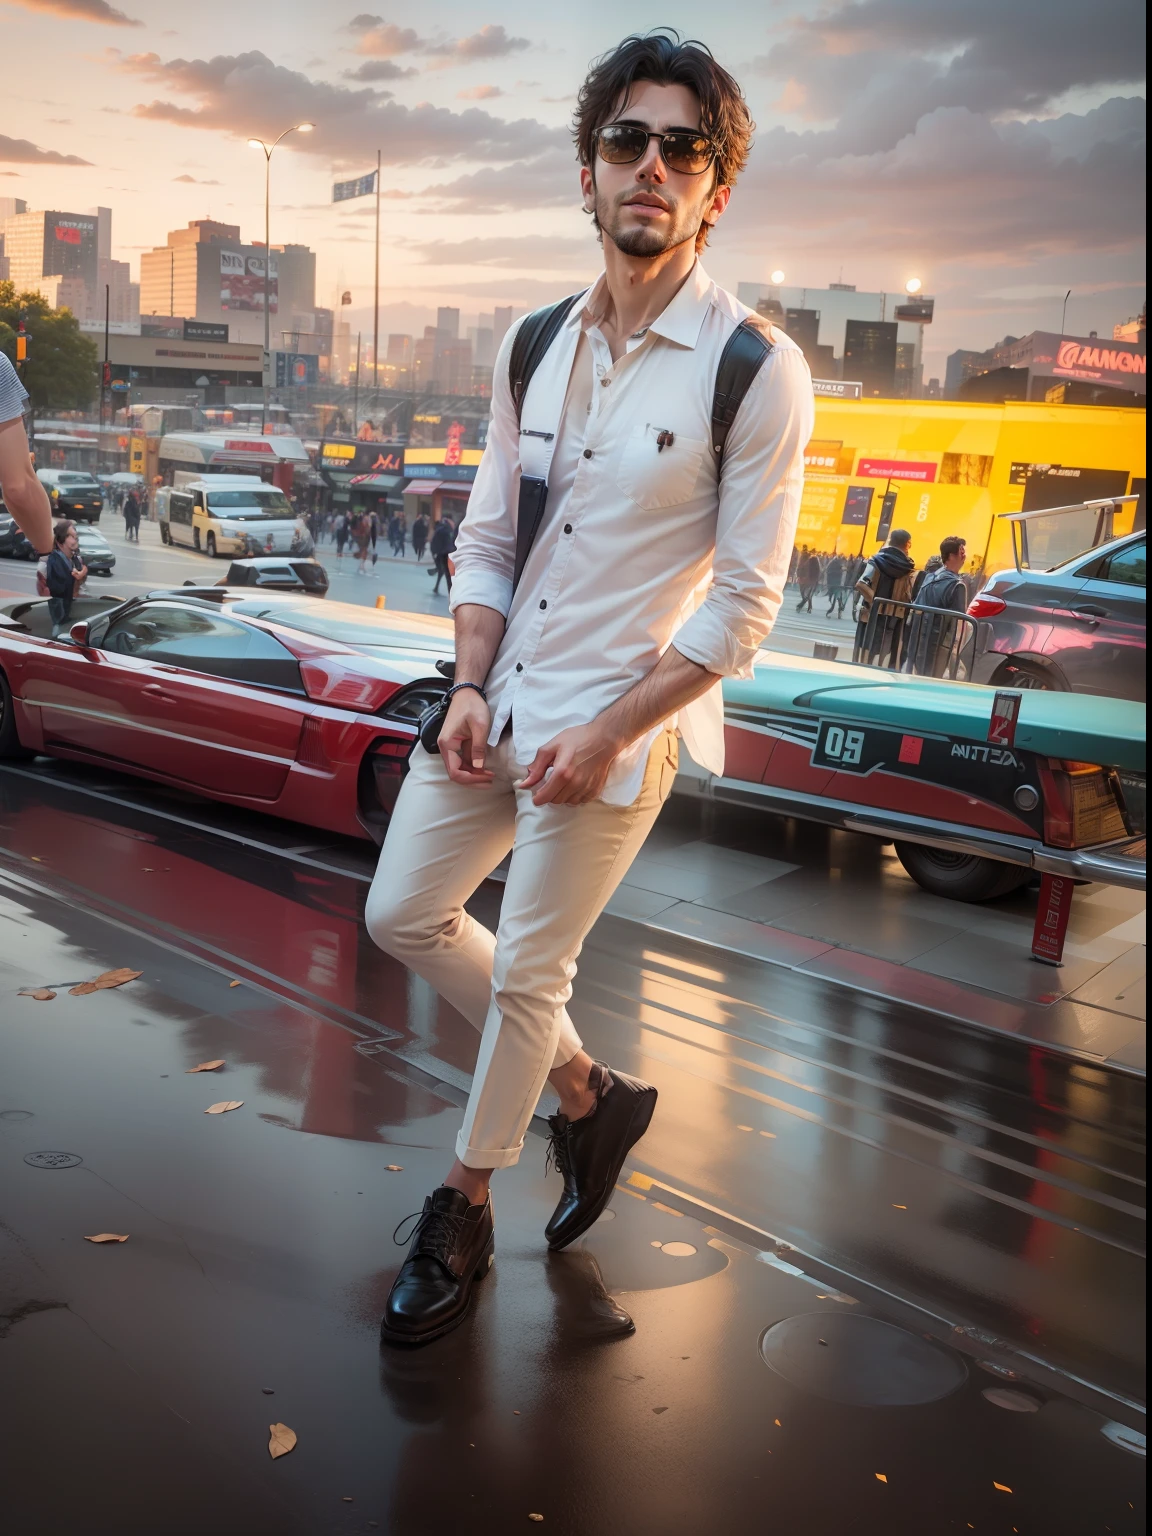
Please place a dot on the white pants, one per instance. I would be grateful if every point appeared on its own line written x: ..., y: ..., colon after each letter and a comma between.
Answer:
x: 443, y: 840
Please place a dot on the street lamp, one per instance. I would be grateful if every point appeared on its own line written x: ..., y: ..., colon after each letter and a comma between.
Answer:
x: 268, y: 148
x: 913, y: 285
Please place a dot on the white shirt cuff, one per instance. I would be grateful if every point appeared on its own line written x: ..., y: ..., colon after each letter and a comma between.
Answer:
x: 486, y: 588
x: 706, y: 640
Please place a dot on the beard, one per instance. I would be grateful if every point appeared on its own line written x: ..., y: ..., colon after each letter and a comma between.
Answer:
x: 641, y: 240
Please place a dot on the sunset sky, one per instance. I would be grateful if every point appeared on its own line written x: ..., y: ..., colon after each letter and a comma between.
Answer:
x: 996, y: 150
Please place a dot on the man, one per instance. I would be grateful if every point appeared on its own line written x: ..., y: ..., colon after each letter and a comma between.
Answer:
x: 419, y: 536
x: 443, y: 543
x: 808, y: 575
x: 654, y: 573
x: 834, y: 583
x: 24, y: 496
x: 131, y: 516
x: 65, y: 574
x: 888, y: 577
x: 932, y: 638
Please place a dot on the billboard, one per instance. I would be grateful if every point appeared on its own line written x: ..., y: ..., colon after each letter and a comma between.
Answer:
x: 71, y: 246
x: 204, y: 330
x: 1117, y: 363
x: 837, y: 389
x: 296, y: 368
x: 242, y: 282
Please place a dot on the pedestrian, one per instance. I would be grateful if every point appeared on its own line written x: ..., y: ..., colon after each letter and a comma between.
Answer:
x: 887, y: 579
x: 341, y: 536
x: 442, y: 545
x: 834, y: 584
x: 559, y: 740
x: 23, y: 495
x: 808, y: 575
x: 64, y: 574
x: 362, y: 538
x: 131, y: 516
x: 792, y: 564
x: 932, y: 638
x: 419, y: 536
x: 395, y: 535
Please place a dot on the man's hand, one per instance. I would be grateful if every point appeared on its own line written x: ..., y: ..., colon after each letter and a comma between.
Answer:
x: 573, y: 767
x: 79, y: 574
x: 463, y: 739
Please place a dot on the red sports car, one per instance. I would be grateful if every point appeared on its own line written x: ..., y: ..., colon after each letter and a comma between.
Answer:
x: 274, y: 702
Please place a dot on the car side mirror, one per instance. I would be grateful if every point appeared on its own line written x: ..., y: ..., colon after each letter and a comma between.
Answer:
x: 79, y: 634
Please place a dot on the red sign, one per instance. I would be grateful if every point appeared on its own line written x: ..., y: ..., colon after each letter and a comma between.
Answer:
x: 1005, y: 713
x: 1091, y: 362
x: 896, y: 469
x: 1052, y: 913
x: 247, y: 445
x: 911, y: 748
x: 67, y: 235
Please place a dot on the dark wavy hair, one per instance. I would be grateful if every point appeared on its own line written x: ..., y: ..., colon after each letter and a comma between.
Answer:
x: 664, y: 58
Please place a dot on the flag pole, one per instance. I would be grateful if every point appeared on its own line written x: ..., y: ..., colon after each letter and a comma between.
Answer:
x: 376, y: 296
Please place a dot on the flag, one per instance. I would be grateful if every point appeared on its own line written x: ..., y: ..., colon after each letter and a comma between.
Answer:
x: 344, y: 190
x: 346, y: 297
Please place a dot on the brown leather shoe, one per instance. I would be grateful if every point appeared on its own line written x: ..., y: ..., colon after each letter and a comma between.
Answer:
x: 452, y: 1246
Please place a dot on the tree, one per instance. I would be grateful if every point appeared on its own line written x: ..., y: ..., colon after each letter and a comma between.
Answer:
x: 60, y: 374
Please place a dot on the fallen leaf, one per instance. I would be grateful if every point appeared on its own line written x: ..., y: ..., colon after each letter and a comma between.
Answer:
x: 115, y: 978
x: 281, y: 1440
x: 206, y: 1066
x: 223, y: 1107
x: 233, y: 983
x: 743, y: 1127
x: 771, y: 1135
x: 83, y: 989
x: 41, y: 994
x: 899, y: 1207
x: 880, y: 1478
x: 35, y: 858
x: 393, y: 1168
x: 108, y: 1237
x: 1001, y: 1487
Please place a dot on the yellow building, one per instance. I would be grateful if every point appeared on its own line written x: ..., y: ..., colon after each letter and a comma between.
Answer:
x: 942, y: 467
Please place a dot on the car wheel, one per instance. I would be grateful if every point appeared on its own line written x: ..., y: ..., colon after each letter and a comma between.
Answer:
x: 9, y: 739
x: 961, y: 876
x: 212, y: 546
x: 1027, y: 674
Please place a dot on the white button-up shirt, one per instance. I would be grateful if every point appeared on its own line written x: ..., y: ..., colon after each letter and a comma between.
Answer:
x: 641, y: 546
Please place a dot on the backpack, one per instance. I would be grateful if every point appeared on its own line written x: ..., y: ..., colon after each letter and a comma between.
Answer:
x: 744, y: 353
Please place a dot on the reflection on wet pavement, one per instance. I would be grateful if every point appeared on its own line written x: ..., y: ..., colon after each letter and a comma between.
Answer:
x: 927, y: 1176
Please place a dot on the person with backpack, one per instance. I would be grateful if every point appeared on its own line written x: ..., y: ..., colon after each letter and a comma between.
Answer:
x: 625, y: 548
x: 888, y: 578
x: 932, y: 637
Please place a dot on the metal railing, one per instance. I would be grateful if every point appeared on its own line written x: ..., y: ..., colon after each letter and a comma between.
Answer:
x: 906, y: 637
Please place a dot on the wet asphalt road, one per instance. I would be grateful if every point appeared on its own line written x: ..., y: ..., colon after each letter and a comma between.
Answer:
x: 852, y: 1229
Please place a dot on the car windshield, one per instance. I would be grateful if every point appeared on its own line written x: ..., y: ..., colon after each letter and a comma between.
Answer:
x: 248, y: 504
x: 77, y: 480
x: 329, y: 623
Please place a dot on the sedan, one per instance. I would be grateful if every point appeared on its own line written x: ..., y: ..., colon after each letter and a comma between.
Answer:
x: 1080, y: 627
x: 95, y: 551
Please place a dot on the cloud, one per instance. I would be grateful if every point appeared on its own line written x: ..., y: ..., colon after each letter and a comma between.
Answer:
x: 81, y: 10
x: 491, y: 42
x: 550, y: 181
x: 247, y: 95
x: 378, y: 69
x: 195, y: 181
x: 516, y: 252
x: 479, y: 93
x: 23, y: 151
x: 380, y: 39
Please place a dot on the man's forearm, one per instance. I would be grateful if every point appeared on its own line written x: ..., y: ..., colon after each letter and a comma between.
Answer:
x: 479, y: 631
x: 673, y: 682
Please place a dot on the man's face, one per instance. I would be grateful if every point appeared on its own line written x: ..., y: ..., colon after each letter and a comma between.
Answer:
x: 71, y: 542
x: 645, y: 208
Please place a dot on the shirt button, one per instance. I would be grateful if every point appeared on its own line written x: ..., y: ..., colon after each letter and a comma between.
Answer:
x: 543, y: 604
x: 605, y: 382
x: 587, y: 453
x: 567, y: 527
x: 519, y: 666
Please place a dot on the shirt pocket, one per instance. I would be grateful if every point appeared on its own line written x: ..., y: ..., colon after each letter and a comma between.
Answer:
x: 659, y: 477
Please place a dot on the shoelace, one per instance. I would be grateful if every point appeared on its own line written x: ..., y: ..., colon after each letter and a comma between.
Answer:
x: 557, y: 1154
x: 435, y: 1234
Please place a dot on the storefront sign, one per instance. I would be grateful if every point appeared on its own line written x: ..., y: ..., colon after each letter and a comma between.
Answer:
x: 1117, y: 363
x: 897, y: 469
x: 838, y: 389
x: 204, y: 330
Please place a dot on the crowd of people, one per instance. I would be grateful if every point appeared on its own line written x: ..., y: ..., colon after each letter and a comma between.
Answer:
x: 822, y: 577
x: 359, y: 533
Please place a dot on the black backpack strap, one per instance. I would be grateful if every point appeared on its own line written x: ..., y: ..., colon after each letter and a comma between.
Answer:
x: 740, y: 362
x: 536, y: 334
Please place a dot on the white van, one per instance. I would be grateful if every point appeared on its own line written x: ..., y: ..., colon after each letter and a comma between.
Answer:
x: 231, y: 515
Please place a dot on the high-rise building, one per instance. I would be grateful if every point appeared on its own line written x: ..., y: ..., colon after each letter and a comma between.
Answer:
x: 67, y: 258
x: 400, y: 350
x: 870, y: 355
x: 501, y: 324
x: 448, y: 324
x: 11, y: 206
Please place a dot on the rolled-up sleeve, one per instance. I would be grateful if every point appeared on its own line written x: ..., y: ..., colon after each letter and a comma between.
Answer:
x: 485, y: 553
x: 762, y: 479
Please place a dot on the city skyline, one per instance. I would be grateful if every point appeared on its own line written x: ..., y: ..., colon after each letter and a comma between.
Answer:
x: 1001, y: 172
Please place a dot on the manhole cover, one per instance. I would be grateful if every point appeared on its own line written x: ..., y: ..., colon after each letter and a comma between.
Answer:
x: 53, y: 1159
x: 849, y: 1358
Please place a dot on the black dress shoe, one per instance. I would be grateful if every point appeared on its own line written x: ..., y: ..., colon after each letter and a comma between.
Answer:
x: 451, y: 1247
x: 590, y: 1152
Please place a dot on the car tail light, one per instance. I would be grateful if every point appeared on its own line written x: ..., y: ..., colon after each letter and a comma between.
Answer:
x: 986, y: 605
x: 1081, y: 805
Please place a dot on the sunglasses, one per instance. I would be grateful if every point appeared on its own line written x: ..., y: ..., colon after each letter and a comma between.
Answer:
x: 623, y: 144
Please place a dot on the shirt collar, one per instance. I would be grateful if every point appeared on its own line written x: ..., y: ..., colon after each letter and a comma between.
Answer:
x: 680, y: 321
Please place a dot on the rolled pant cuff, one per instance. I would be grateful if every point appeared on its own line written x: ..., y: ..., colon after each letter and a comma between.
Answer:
x: 490, y: 1157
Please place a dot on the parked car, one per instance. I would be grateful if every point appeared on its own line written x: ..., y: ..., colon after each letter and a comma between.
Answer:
x: 231, y: 515
x: 1079, y: 627
x: 13, y: 544
x: 309, y: 710
x: 73, y: 494
x: 95, y: 551
x: 274, y: 573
